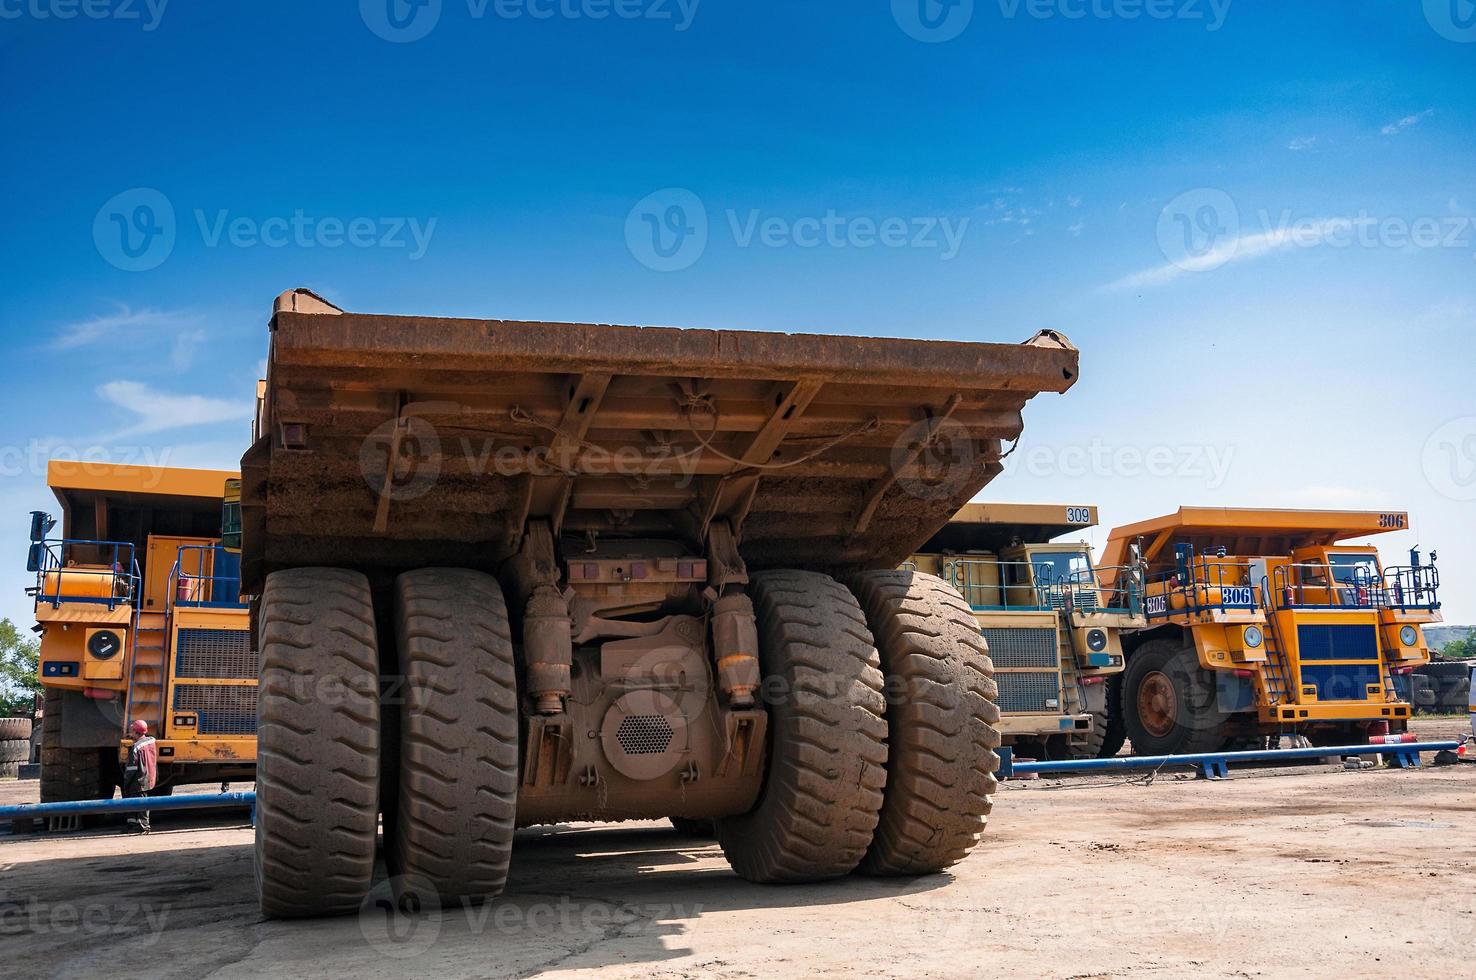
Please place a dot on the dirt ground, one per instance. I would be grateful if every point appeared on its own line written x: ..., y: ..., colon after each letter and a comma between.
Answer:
x: 1288, y: 872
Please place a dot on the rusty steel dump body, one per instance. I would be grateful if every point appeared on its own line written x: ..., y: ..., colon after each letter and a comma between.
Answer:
x: 602, y: 429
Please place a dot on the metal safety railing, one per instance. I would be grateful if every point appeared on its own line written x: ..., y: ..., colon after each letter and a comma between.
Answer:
x: 206, y: 576
x: 1314, y: 585
x: 83, y: 570
x: 1407, y: 587
x: 994, y: 585
x: 1203, y: 585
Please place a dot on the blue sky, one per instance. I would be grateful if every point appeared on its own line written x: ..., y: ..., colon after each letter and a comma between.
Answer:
x: 1254, y: 218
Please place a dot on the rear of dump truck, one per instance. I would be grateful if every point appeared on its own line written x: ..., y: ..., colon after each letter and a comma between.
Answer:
x: 1052, y: 625
x: 1266, y: 622
x: 511, y: 573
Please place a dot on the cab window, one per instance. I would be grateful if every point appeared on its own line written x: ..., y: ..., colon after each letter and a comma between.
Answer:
x: 1052, y: 567
x: 1354, y: 569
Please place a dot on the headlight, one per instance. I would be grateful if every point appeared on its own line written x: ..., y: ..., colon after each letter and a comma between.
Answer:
x: 1096, y: 640
x: 1253, y: 636
x: 1409, y: 636
x: 104, y: 644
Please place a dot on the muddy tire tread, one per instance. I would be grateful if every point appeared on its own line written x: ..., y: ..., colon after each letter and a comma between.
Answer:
x: 826, y: 772
x: 942, y: 722
x: 317, y: 775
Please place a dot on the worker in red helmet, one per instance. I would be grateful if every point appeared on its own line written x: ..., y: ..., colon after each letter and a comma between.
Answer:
x: 142, y: 770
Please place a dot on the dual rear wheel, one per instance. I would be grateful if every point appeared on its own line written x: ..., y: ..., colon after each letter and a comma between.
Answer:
x: 880, y: 757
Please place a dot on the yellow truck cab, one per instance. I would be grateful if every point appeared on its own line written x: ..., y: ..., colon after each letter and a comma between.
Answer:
x: 1052, y: 626
x: 140, y: 615
x: 1267, y: 622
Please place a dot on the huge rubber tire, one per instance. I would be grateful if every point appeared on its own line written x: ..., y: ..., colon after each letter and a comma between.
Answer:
x: 12, y: 729
x: 1449, y: 685
x: 1187, y: 718
x: 1114, y: 731
x: 72, y: 775
x: 827, y: 753
x: 458, y: 779
x: 15, y: 750
x: 317, y: 748
x: 941, y: 722
x: 9, y: 770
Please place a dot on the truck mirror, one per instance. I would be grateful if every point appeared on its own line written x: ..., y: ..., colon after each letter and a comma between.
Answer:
x: 33, y: 556
x: 41, y: 525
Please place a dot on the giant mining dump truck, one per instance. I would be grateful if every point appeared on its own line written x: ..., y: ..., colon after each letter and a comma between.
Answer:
x: 512, y: 573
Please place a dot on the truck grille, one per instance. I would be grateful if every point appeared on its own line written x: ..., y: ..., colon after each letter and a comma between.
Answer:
x: 1023, y: 647
x: 215, y: 653
x: 222, y: 710
x: 1346, y: 641
x: 1027, y: 693
x: 1340, y: 682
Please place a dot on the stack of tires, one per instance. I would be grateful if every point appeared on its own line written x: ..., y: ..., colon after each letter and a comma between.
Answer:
x: 15, y: 745
x: 1442, y: 687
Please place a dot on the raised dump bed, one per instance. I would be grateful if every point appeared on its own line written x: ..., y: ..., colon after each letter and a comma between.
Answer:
x: 617, y: 572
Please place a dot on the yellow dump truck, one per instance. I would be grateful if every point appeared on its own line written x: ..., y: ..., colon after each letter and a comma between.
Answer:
x: 1052, y: 624
x: 140, y: 614
x: 1268, y: 623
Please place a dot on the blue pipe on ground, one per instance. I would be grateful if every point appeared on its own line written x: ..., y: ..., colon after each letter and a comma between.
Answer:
x: 154, y: 804
x: 1199, y: 759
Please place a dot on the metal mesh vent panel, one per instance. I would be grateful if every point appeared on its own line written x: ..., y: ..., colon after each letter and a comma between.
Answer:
x: 215, y: 653
x: 644, y: 734
x: 1027, y: 694
x: 1354, y: 641
x: 221, y: 710
x: 1033, y: 647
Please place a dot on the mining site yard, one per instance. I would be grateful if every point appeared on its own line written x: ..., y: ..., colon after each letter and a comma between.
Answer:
x: 1290, y: 871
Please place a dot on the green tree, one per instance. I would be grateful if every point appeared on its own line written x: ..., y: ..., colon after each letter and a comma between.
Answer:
x: 18, y: 681
x: 1462, y: 649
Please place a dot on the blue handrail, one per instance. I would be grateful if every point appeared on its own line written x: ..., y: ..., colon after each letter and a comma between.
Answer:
x: 1204, y: 585
x: 191, y: 587
x: 55, y: 564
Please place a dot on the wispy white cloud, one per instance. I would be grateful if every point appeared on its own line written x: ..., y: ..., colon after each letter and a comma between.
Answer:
x: 186, y: 342
x: 1073, y: 201
x: 159, y: 411
x: 1076, y: 229
x: 85, y: 332
x: 1240, y: 249
x: 1395, y: 128
x: 1302, y: 143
